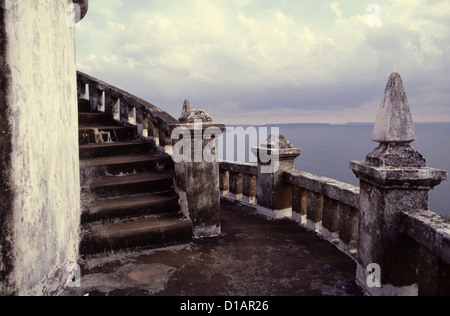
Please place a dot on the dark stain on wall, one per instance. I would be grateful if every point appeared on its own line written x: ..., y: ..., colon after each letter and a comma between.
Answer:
x: 6, y: 192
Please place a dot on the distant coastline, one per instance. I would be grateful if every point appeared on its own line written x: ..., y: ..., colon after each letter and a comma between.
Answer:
x: 329, y: 148
x: 327, y: 124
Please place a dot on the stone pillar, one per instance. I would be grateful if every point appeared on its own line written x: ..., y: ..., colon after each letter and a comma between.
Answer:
x: 273, y: 194
x: 393, y: 178
x: 195, y: 141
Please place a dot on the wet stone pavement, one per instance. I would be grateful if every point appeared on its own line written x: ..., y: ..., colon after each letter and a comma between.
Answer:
x: 253, y: 257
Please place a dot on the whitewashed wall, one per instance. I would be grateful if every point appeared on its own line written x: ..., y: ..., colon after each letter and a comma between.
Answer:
x: 42, y: 205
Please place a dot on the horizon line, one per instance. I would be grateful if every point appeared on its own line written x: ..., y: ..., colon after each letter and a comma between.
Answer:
x: 327, y: 123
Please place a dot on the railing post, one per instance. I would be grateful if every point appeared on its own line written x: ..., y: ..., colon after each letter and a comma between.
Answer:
x: 330, y: 219
x: 124, y: 112
x: 315, y: 212
x: 348, y: 229
x: 252, y: 190
x: 302, y: 207
x: 140, y: 123
x: 248, y: 188
x: 393, y: 178
x: 225, y: 183
x: 153, y: 132
x: 236, y: 185
x: 195, y: 143
x: 273, y: 194
x: 81, y: 89
x: 165, y: 141
x: 111, y: 106
x: 96, y: 99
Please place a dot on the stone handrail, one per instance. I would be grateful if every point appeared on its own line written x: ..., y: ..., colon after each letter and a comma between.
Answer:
x: 327, y: 206
x: 431, y: 234
x: 151, y: 122
x: 238, y: 181
x: 429, y: 230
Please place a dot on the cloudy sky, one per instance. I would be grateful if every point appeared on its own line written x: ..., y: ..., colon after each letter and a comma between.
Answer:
x: 261, y: 61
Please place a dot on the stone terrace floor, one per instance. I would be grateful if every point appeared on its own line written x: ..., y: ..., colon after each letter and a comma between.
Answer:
x: 253, y: 257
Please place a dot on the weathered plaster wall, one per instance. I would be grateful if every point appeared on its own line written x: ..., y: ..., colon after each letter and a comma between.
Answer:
x: 6, y: 195
x: 40, y: 203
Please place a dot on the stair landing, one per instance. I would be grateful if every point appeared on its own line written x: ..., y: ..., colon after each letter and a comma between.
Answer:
x: 253, y: 257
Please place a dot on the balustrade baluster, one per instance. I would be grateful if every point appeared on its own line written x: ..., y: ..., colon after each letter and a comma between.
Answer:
x: 239, y: 186
x: 81, y: 89
x: 139, y: 122
x: 111, y: 106
x: 132, y: 116
x: 233, y: 187
x: 330, y: 219
x: 353, y: 230
x: 297, y: 204
x: 124, y: 112
x: 252, y: 190
x: 96, y: 98
x: 226, y: 183
x: 315, y: 211
x: 348, y: 228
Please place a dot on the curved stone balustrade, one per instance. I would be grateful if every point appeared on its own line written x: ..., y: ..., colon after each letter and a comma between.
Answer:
x: 151, y: 121
x: 383, y: 223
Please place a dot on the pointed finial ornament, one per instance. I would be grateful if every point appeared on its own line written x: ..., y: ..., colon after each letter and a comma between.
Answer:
x: 278, y: 141
x: 189, y: 115
x: 186, y: 106
x: 394, y: 123
x: 394, y: 130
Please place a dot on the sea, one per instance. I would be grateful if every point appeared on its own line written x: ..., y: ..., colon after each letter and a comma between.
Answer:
x: 327, y: 150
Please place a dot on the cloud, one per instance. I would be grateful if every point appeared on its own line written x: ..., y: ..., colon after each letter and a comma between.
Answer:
x: 256, y: 57
x: 335, y: 8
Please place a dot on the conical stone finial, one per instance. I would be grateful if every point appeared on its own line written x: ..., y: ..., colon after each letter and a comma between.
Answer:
x: 278, y: 141
x: 394, y: 130
x: 189, y: 115
x: 186, y: 106
x: 394, y: 123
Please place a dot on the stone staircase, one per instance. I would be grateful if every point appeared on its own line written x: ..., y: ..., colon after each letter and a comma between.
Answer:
x: 128, y: 197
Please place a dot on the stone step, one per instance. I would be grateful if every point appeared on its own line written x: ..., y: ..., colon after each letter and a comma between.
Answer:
x: 127, y: 189
x: 119, y: 165
x: 151, y: 182
x: 143, y: 234
x: 93, y: 118
x: 115, y: 149
x: 132, y: 206
x: 90, y: 134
